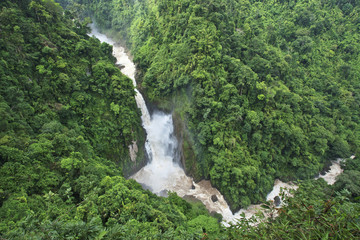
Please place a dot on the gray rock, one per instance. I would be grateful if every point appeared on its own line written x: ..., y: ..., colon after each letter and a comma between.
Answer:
x: 120, y: 66
x: 214, y: 198
x: 277, y: 201
x: 163, y: 193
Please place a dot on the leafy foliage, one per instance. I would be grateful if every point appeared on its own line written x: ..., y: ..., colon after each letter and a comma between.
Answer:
x: 272, y: 90
x: 313, y: 213
x: 349, y: 179
x: 273, y: 86
x: 68, y: 116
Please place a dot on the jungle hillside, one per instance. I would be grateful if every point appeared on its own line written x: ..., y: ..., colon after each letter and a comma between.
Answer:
x: 259, y: 90
x: 262, y: 90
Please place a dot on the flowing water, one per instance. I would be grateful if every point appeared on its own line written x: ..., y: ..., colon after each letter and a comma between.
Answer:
x: 163, y: 173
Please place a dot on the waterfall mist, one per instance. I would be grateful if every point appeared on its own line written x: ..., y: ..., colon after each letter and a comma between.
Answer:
x: 163, y: 172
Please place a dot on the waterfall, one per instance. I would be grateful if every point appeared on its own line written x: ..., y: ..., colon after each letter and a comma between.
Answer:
x: 162, y: 173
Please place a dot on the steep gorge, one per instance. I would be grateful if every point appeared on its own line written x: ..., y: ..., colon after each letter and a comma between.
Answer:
x: 256, y: 100
x: 163, y: 172
x: 265, y: 90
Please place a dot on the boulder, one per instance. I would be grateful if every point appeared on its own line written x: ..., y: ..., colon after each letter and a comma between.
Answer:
x: 120, y: 66
x: 214, y: 198
x: 163, y: 193
x: 277, y: 201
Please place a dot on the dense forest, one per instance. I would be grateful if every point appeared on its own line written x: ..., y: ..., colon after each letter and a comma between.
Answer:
x: 67, y: 118
x: 263, y: 90
x: 260, y: 90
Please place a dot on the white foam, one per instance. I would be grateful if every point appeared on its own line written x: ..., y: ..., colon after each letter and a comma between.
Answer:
x: 163, y: 174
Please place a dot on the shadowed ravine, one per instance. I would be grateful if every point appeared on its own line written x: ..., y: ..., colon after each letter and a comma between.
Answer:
x: 162, y: 173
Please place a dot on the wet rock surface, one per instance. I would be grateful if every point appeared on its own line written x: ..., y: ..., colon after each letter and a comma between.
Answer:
x: 214, y: 198
x: 277, y: 201
x: 120, y: 66
x: 164, y: 193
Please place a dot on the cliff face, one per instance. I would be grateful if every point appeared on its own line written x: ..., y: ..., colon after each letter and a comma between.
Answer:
x: 254, y: 102
x: 138, y: 156
x: 186, y: 150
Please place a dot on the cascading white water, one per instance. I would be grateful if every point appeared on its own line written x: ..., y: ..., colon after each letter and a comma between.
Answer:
x: 162, y: 174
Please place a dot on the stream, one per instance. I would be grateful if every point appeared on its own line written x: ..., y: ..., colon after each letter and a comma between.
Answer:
x: 163, y: 173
